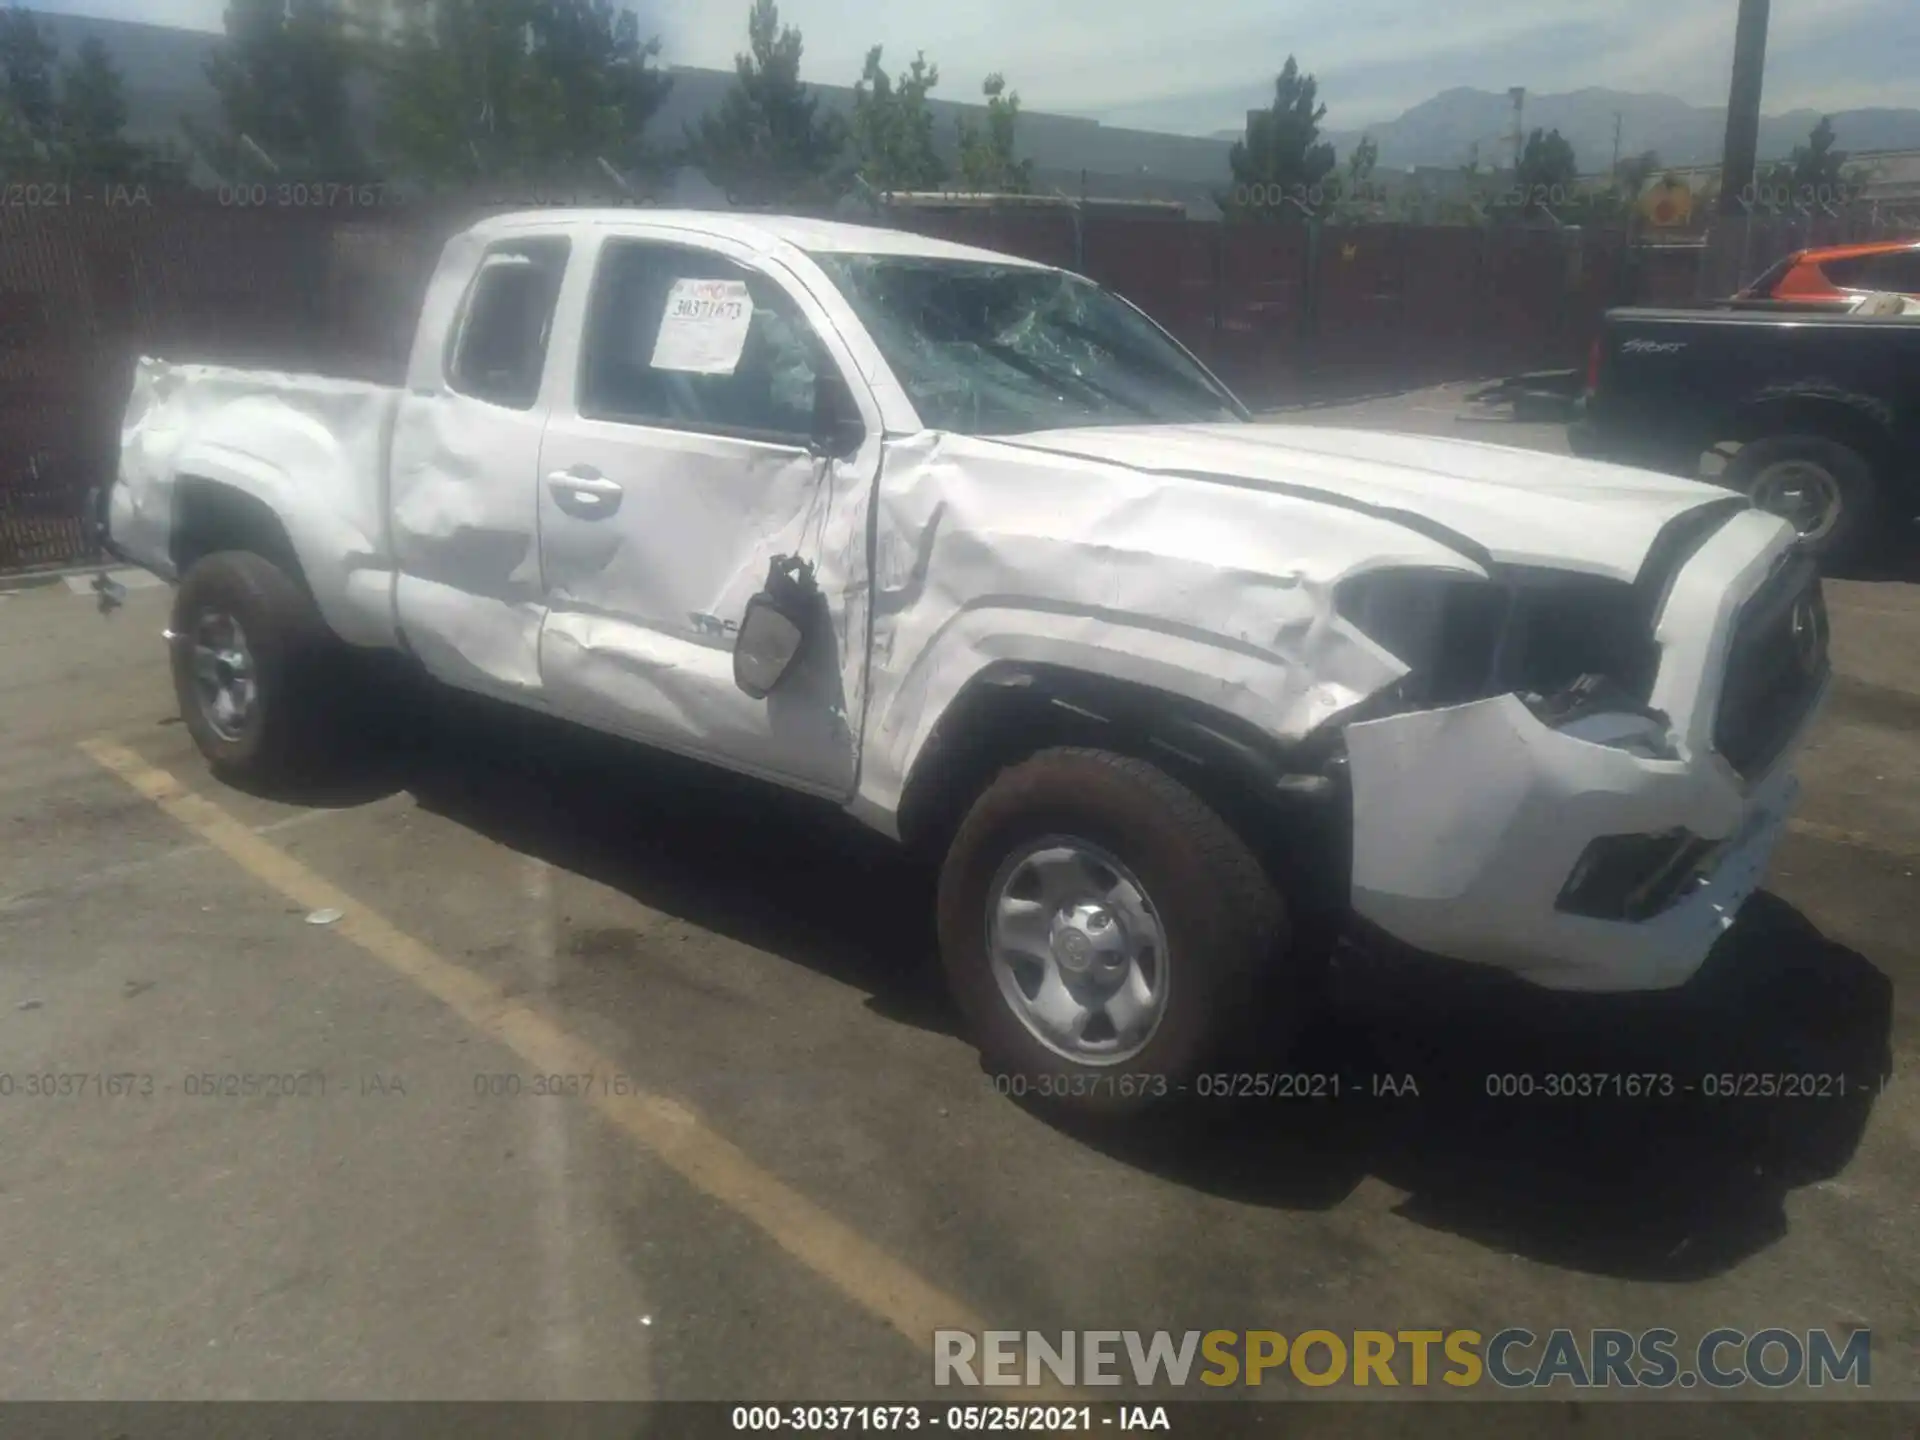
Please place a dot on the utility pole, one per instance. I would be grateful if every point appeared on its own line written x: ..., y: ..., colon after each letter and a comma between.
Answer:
x: 1519, y: 96
x: 1616, y: 147
x: 1743, y: 107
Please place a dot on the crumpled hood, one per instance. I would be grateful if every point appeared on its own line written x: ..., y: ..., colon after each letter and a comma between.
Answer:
x: 1519, y: 506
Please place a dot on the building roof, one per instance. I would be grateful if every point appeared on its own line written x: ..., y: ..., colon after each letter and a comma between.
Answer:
x: 997, y: 200
x: 1887, y: 174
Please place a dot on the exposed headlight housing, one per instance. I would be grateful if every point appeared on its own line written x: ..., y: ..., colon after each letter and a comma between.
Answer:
x: 1444, y: 626
x: 1535, y: 632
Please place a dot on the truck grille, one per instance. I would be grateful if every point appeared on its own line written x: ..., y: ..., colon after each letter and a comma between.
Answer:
x: 1776, y: 668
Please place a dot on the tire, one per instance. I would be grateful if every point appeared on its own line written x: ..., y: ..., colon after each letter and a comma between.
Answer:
x: 1219, y: 920
x: 287, y: 648
x: 1761, y: 465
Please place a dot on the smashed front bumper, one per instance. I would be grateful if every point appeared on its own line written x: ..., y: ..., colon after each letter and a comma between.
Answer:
x: 1484, y: 833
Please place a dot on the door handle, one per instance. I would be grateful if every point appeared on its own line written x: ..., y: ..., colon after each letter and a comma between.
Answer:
x: 585, y: 495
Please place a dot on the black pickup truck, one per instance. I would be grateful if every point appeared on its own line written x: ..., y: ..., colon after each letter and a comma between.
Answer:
x: 1824, y: 410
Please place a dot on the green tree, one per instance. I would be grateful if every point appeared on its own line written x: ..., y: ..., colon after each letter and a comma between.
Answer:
x: 27, y: 59
x: 1352, y: 196
x: 1630, y: 177
x: 17, y: 158
x: 1548, y: 174
x: 476, y: 90
x: 453, y: 88
x: 892, y: 129
x: 1614, y: 204
x: 281, y: 79
x: 1281, y: 167
x: 1361, y: 163
x: 767, y: 143
x: 599, y: 80
x: 93, y: 123
x: 1815, y: 175
x: 1819, y: 164
x: 1856, y: 178
x: 987, y: 151
x: 69, y: 125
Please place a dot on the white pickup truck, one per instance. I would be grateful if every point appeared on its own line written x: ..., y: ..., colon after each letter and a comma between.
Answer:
x: 972, y: 548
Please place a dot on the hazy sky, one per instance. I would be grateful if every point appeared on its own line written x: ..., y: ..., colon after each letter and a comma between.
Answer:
x: 1197, y: 67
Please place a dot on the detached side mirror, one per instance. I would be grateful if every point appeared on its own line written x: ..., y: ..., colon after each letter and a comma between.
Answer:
x: 772, y: 631
x: 764, y: 651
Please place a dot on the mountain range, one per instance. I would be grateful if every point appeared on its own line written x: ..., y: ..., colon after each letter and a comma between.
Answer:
x: 165, y: 75
x: 1444, y: 131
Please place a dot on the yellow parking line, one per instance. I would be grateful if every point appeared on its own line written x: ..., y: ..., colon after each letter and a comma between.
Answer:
x: 861, y: 1271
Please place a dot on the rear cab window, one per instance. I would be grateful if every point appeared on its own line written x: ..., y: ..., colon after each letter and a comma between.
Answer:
x: 498, y: 349
x: 1897, y: 271
x: 1770, y: 279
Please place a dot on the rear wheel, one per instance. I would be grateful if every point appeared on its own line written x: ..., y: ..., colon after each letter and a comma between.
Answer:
x: 1105, y: 932
x: 248, y: 652
x: 1823, y: 487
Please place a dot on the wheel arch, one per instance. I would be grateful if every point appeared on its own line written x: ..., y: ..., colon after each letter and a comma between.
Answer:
x: 1857, y: 421
x: 1283, y: 797
x: 212, y: 514
x: 253, y: 506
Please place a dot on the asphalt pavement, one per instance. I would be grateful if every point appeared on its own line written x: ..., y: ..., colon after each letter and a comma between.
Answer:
x: 326, y: 1135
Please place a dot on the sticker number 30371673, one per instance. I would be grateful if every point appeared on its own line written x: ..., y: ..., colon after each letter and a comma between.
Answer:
x: 704, y: 328
x: 687, y: 307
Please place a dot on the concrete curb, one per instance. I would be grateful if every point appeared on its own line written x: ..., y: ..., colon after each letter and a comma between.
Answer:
x: 21, y: 584
x: 52, y: 575
x: 78, y: 580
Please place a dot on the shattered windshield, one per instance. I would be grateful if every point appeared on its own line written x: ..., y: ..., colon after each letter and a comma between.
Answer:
x: 985, y: 349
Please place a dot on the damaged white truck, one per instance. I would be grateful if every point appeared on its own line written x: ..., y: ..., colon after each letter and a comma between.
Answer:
x: 971, y: 547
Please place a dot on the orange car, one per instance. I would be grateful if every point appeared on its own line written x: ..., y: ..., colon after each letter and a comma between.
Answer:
x: 1840, y: 273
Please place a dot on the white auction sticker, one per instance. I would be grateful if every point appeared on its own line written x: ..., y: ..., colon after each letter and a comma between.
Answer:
x: 704, y: 328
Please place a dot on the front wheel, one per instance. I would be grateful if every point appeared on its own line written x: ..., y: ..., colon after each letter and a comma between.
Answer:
x: 248, y: 647
x: 1824, y: 488
x: 1106, y: 934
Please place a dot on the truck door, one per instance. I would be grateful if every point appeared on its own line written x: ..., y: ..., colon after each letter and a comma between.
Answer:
x: 675, y: 471
x: 464, y: 466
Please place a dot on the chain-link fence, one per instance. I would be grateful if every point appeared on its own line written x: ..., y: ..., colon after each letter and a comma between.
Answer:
x: 1286, y: 312
x: 1737, y: 250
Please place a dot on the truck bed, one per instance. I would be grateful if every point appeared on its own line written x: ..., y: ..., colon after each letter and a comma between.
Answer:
x: 1667, y: 385
x: 313, y: 447
x: 1757, y: 313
